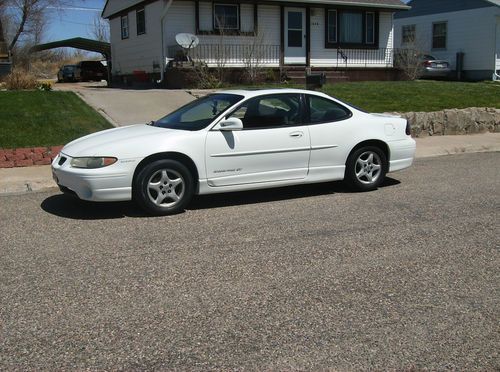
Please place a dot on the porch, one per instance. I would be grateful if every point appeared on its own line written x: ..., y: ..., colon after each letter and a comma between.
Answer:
x: 269, y: 56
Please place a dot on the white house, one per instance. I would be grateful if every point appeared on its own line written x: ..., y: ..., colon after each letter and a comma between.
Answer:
x: 356, y: 34
x: 444, y: 28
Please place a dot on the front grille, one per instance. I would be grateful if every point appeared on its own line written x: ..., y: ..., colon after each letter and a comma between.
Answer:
x: 62, y: 160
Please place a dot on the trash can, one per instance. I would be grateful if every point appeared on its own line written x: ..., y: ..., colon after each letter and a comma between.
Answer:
x: 315, y: 81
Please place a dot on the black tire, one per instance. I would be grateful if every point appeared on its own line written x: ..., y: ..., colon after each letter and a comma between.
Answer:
x: 163, y: 187
x: 362, y: 172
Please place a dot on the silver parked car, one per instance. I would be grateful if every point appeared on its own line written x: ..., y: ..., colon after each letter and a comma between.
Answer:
x: 435, y: 67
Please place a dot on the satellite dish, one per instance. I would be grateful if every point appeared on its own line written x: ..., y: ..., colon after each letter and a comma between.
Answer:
x: 187, y: 41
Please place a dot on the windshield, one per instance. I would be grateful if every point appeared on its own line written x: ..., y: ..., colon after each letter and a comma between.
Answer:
x: 198, y: 114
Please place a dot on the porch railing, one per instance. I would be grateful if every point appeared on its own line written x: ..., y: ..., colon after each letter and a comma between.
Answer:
x: 239, y: 55
x: 231, y: 55
x: 365, y: 57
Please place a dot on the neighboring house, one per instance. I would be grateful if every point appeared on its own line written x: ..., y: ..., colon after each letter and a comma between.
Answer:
x: 5, y: 64
x: 444, y: 28
x: 352, y: 34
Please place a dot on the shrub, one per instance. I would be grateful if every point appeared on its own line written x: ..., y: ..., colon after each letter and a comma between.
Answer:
x: 20, y: 79
x: 44, y: 85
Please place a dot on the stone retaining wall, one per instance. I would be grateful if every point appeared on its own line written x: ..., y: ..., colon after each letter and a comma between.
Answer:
x: 453, y: 121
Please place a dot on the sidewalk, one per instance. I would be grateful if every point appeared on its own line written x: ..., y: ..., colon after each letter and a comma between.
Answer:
x: 38, y: 178
x: 128, y: 106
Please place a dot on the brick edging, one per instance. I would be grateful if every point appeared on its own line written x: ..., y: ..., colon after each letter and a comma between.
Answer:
x: 28, y: 156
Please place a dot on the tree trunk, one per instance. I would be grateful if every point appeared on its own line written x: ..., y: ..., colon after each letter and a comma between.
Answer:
x: 20, y: 29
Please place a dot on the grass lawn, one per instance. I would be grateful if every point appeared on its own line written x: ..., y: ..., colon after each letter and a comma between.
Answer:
x: 420, y: 95
x: 404, y: 96
x: 37, y: 118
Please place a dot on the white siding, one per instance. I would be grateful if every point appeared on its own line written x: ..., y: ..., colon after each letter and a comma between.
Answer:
x: 326, y: 57
x: 470, y: 31
x: 142, y: 52
x: 206, y: 21
x: 138, y: 52
x: 246, y: 17
x: 181, y: 18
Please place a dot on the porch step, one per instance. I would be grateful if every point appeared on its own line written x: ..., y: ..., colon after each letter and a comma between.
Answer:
x: 299, y: 76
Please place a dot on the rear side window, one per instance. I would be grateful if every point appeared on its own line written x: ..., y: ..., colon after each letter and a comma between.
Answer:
x: 322, y: 110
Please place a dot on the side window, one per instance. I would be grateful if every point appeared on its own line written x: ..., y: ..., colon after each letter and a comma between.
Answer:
x: 124, y: 26
x: 270, y: 111
x: 140, y: 17
x: 322, y: 110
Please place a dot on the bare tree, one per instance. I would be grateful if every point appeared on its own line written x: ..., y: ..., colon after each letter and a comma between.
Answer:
x: 221, y: 52
x: 253, y: 56
x: 27, y: 18
x: 100, y: 29
x: 409, y: 59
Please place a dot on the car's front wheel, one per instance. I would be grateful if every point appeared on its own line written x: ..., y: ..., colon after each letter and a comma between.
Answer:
x: 366, y: 168
x: 163, y: 187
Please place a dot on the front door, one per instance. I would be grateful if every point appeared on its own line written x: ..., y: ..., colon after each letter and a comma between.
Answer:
x: 295, y: 36
x: 273, y: 146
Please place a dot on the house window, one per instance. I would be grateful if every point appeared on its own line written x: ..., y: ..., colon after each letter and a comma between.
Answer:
x: 332, y: 26
x: 124, y: 26
x: 141, y: 21
x: 351, y: 28
x: 295, y: 29
x: 409, y: 34
x: 370, y: 28
x: 439, y: 35
x: 226, y: 17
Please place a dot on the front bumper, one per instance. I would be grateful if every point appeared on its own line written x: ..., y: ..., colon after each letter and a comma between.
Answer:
x: 112, y: 183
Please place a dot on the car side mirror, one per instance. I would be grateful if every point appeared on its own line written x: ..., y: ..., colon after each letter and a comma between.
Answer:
x: 230, y: 124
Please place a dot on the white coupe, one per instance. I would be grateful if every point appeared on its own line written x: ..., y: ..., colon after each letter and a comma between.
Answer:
x: 232, y: 141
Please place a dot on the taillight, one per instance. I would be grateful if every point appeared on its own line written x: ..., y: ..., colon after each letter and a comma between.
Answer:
x: 428, y: 64
x: 408, y: 128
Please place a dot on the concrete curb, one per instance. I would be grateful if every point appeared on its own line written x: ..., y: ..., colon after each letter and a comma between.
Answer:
x: 39, y: 178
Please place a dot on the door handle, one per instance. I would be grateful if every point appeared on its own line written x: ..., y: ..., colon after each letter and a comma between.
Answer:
x: 296, y: 134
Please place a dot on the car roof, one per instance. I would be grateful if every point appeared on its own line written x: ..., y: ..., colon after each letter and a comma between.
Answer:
x: 248, y: 93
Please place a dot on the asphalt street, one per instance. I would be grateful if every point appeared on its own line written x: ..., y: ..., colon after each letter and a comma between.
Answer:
x: 309, y: 277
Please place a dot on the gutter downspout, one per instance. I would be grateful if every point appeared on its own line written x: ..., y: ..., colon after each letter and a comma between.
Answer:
x: 162, y: 17
x: 496, y: 51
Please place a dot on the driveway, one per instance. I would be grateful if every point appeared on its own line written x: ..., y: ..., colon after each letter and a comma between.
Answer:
x: 128, y: 106
x: 311, y: 278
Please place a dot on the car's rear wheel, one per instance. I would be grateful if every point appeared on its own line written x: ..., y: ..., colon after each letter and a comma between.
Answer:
x: 366, y: 168
x: 163, y: 187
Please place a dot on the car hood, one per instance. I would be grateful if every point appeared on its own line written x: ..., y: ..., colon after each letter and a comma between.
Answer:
x: 124, y: 142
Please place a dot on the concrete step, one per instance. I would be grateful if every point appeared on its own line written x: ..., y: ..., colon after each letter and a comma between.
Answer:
x: 301, y: 79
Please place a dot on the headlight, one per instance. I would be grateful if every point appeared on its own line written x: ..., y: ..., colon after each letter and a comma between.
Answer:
x: 92, y: 162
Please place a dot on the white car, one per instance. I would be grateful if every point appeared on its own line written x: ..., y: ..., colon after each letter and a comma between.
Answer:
x: 232, y: 141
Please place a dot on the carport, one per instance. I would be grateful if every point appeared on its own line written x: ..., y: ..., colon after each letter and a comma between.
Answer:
x: 80, y: 43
